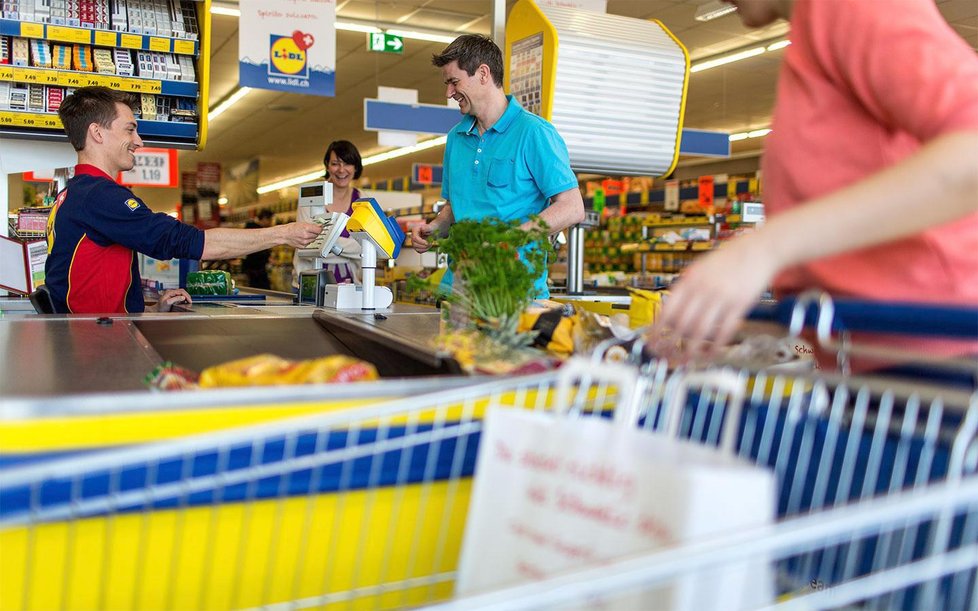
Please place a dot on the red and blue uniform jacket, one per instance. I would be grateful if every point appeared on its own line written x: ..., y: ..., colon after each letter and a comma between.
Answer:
x: 94, y: 232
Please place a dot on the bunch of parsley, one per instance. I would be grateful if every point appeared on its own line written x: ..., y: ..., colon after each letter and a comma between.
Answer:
x: 496, y: 264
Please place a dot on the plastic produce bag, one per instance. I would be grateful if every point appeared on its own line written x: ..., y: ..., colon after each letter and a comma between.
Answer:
x: 210, y: 282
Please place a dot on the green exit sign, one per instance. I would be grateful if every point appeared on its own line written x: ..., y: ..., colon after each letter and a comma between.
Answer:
x: 383, y: 42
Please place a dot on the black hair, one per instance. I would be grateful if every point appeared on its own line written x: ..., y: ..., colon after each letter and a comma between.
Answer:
x: 346, y: 152
x: 471, y: 51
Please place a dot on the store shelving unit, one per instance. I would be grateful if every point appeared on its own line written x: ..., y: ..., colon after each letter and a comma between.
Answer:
x: 155, y: 35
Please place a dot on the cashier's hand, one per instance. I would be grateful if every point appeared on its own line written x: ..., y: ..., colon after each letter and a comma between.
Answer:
x: 299, y: 234
x: 421, y: 235
x: 706, y: 305
x: 170, y: 298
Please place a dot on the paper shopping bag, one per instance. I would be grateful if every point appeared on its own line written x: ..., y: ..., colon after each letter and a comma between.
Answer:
x: 554, y: 493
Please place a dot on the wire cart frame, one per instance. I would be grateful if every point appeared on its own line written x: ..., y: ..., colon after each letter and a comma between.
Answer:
x: 365, y: 508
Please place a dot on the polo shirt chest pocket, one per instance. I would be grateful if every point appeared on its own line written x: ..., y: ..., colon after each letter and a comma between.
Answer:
x: 502, y: 173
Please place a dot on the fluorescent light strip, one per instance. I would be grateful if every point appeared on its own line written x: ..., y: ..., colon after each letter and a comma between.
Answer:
x: 394, y: 154
x: 223, y: 10
x: 356, y: 27
x: 736, y: 57
x: 230, y: 101
x: 757, y: 133
x: 410, y: 34
x: 727, y: 59
x: 405, y: 150
x: 290, y: 182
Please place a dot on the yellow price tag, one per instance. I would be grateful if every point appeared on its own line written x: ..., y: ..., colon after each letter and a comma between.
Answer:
x: 131, y: 41
x: 731, y: 188
x: 752, y: 185
x: 6, y: 73
x: 68, y: 79
x: 66, y: 34
x: 19, y: 75
x: 48, y: 77
x: 106, y: 39
x: 115, y: 83
x: 6, y: 118
x: 183, y: 47
x: 48, y: 121
x: 153, y: 87
x: 129, y: 84
x: 31, y: 30
x: 159, y: 44
x: 93, y: 81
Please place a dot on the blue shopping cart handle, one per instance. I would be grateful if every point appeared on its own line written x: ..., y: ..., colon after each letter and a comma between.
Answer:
x: 902, y: 318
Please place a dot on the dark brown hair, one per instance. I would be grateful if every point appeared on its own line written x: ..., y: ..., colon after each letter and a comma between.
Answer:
x: 88, y: 105
x: 346, y: 152
x: 471, y: 51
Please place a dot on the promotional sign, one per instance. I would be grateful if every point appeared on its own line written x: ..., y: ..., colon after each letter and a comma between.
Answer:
x: 288, y: 45
x: 671, y: 196
x: 706, y: 188
x: 427, y: 173
x: 154, y: 168
x: 538, y: 510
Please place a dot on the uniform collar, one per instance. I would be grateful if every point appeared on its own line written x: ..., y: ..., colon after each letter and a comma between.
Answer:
x: 90, y: 170
x: 513, y: 109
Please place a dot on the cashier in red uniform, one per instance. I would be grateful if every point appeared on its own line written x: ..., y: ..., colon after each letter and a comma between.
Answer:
x: 97, y: 226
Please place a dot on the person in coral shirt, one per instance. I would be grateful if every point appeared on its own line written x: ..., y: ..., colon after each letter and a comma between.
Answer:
x: 871, y: 170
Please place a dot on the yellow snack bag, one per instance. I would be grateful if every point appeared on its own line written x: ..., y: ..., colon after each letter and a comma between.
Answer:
x: 270, y: 370
x: 644, y: 308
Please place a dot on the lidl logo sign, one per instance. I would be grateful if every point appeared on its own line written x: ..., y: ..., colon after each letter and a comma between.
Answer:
x: 132, y: 204
x: 287, y: 55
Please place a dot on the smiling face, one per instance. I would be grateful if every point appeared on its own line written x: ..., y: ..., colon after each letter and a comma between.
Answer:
x: 340, y: 172
x: 464, y: 89
x: 120, y: 141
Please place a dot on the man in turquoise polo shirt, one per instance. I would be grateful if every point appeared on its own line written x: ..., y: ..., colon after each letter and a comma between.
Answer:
x: 500, y: 160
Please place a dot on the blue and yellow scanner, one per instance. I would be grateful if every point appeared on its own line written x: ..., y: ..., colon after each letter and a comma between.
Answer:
x: 368, y: 221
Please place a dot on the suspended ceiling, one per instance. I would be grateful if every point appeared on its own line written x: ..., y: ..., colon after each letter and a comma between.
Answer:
x: 288, y: 133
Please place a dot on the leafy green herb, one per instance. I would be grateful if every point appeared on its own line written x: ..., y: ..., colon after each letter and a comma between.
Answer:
x: 496, y: 264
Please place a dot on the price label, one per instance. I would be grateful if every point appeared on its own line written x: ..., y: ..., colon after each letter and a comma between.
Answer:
x: 19, y: 75
x: 115, y: 83
x: 153, y: 168
x: 31, y: 30
x: 66, y: 34
x: 183, y: 47
x: 131, y: 41
x: 48, y: 77
x: 6, y: 119
x: 92, y: 81
x: 153, y: 87
x: 69, y: 79
x: 706, y: 186
x: 106, y: 39
x: 159, y: 44
x: 6, y: 73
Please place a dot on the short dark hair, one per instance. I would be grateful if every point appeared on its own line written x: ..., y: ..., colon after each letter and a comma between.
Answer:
x: 471, y: 51
x: 87, y: 105
x: 346, y: 152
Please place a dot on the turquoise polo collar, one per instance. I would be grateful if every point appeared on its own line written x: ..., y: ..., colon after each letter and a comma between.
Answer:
x: 513, y: 109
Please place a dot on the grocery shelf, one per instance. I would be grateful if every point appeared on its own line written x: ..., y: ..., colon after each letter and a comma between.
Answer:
x: 99, y: 38
x: 71, y: 78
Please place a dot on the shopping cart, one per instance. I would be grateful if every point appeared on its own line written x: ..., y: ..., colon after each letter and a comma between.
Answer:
x: 365, y: 508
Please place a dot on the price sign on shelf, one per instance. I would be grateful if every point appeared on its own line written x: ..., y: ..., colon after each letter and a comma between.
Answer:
x: 154, y: 168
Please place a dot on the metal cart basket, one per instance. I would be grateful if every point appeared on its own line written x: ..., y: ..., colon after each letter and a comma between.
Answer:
x: 365, y: 508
